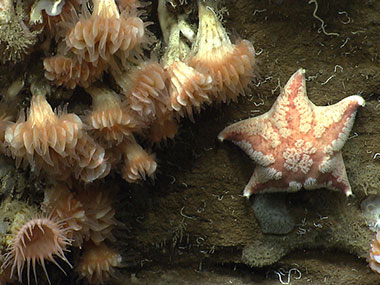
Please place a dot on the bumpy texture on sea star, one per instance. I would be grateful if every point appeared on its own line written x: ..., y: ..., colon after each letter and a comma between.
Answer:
x: 296, y: 144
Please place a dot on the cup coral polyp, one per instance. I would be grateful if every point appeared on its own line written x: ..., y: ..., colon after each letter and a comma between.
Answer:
x: 34, y: 241
x: 98, y: 206
x: 231, y: 66
x: 138, y: 164
x: 71, y: 72
x: 166, y: 126
x: 68, y: 13
x: 43, y: 132
x: 130, y: 5
x: 188, y: 88
x: 55, y: 142
x: 60, y: 202
x: 110, y: 118
x: 145, y: 90
x: 98, y: 263
x: 105, y: 32
x: 147, y: 94
x: 90, y: 161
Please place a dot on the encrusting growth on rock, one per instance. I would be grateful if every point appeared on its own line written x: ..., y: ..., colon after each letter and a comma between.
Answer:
x: 16, y: 38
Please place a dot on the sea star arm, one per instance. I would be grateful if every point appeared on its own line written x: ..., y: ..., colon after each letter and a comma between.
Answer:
x: 334, y: 123
x: 250, y: 137
x: 263, y: 179
x: 337, y: 179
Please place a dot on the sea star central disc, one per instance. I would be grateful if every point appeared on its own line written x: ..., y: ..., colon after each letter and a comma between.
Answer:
x: 296, y: 144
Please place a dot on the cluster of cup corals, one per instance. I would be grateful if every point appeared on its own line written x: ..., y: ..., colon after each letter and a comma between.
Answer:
x: 94, y: 45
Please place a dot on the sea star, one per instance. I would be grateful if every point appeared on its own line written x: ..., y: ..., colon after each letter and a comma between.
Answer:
x: 296, y: 144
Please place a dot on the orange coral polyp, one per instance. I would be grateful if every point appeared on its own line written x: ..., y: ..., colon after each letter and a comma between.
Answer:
x: 232, y: 69
x: 188, y: 88
x: 70, y: 72
x: 68, y: 14
x: 56, y: 142
x: 111, y: 118
x: 34, y: 241
x: 42, y: 132
x: 98, y: 206
x: 230, y: 66
x: 90, y: 162
x: 138, y: 164
x: 98, y: 263
x: 164, y: 127
x: 129, y: 5
x: 60, y: 202
x: 147, y: 94
x: 105, y: 33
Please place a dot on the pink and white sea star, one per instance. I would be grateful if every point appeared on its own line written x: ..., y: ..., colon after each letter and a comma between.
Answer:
x: 296, y: 144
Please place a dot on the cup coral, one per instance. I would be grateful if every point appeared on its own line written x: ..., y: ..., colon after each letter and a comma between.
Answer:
x: 55, y: 142
x: 370, y: 208
x: 111, y: 119
x: 105, y: 32
x: 98, y: 263
x: 70, y: 72
x: 98, y: 206
x: 188, y: 88
x: 60, y: 202
x: 231, y: 66
x: 89, y: 162
x: 138, y: 164
x: 49, y: 7
x: 34, y: 241
x: 129, y: 5
x: 163, y: 128
x: 5, y: 122
x: 43, y: 133
x: 145, y: 90
x: 57, y: 14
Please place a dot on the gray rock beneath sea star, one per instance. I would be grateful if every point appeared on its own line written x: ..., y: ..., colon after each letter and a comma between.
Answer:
x: 271, y: 213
